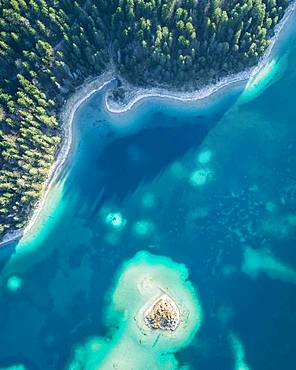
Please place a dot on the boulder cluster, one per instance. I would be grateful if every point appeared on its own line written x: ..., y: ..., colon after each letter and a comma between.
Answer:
x: 163, y: 315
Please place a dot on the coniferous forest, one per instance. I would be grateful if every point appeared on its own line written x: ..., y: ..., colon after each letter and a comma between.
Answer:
x: 49, y: 47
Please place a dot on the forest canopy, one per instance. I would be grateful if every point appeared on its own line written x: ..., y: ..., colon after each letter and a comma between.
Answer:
x: 48, y: 47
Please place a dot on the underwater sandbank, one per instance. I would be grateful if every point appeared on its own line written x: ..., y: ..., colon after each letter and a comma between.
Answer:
x: 238, y: 353
x: 134, y: 96
x: 141, y: 283
x: 261, y: 261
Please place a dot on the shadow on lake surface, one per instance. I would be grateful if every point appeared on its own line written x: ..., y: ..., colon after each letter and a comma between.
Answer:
x: 112, y: 169
x: 112, y: 166
x: 130, y: 161
x: 7, y: 250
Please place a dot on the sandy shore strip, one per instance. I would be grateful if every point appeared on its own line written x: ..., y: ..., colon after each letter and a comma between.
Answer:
x: 133, y: 96
x: 67, y: 117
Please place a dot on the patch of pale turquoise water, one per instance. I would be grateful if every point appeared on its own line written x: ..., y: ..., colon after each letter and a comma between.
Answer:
x: 212, y: 186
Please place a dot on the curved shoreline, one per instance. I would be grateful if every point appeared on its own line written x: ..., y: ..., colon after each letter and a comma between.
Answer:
x: 92, y: 86
x: 139, y: 94
x: 85, y: 91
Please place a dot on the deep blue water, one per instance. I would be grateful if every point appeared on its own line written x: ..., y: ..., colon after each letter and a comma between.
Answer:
x: 142, y: 165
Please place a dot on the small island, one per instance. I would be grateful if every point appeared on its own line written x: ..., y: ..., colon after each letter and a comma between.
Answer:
x: 163, y: 314
x: 154, y: 312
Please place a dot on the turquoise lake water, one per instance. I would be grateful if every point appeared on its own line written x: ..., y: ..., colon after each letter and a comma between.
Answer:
x: 211, y: 185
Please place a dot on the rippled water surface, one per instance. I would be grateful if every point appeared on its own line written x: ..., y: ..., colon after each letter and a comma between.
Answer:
x: 211, y: 185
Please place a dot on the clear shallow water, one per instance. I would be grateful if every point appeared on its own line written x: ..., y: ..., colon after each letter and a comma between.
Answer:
x: 206, y: 210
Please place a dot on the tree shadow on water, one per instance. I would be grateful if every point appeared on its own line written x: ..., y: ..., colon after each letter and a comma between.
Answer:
x: 129, y: 161
x: 123, y: 165
x: 6, y: 251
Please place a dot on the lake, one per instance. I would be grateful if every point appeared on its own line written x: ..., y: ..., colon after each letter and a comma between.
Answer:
x: 211, y: 185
